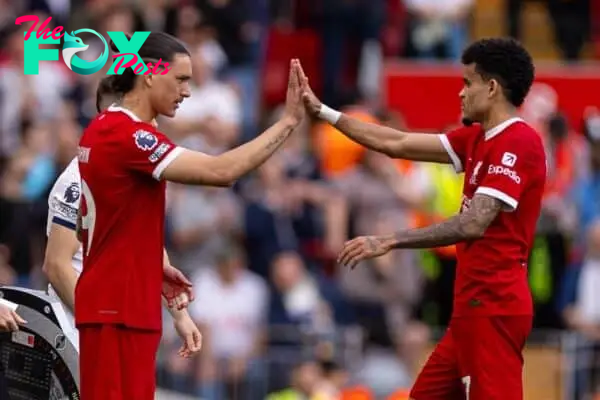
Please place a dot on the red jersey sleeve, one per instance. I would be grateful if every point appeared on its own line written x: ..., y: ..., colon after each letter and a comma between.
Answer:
x: 149, y: 151
x: 456, y: 143
x: 508, y: 170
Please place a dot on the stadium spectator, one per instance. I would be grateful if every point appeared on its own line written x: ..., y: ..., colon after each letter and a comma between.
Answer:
x: 231, y: 309
x: 383, y: 293
x: 438, y: 29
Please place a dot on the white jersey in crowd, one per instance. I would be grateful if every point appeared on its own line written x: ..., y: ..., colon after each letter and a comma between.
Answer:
x: 63, y: 204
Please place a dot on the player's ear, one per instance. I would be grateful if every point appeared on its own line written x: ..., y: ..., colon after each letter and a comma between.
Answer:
x: 493, y: 87
x: 148, y: 80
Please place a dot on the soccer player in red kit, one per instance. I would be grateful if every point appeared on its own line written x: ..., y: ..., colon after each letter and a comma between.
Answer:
x: 124, y: 162
x: 480, y: 355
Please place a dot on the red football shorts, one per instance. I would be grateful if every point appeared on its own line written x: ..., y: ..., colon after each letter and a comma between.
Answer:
x: 117, y: 363
x: 479, y: 358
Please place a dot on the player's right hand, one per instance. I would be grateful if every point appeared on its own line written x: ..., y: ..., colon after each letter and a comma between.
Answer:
x: 9, y: 319
x: 311, y: 102
x: 176, y: 288
x: 362, y: 248
x: 294, y: 109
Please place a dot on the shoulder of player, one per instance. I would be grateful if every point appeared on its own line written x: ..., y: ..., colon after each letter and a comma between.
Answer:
x: 66, y: 189
x: 118, y: 122
x: 524, y: 144
x: 522, y: 137
x: 68, y: 176
x: 122, y: 129
x: 472, y: 130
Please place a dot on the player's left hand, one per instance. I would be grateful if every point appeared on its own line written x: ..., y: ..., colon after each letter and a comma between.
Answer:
x: 190, y: 334
x: 176, y: 288
x: 362, y: 248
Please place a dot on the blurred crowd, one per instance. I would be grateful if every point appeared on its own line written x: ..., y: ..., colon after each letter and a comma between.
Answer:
x: 279, y: 317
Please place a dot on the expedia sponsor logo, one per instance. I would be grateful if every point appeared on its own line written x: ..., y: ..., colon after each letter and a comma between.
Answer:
x: 500, y: 170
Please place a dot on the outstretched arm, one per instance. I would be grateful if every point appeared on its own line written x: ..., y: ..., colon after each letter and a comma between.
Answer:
x: 196, y: 168
x: 468, y: 225
x: 394, y: 143
x: 192, y: 167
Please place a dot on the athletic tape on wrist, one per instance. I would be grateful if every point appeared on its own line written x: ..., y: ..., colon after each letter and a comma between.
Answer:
x: 329, y: 114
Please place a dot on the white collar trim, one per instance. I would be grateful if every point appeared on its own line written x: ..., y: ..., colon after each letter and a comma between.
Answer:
x: 129, y: 113
x: 498, y: 129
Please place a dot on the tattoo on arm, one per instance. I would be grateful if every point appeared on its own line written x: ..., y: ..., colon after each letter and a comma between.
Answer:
x: 277, y: 140
x: 470, y: 224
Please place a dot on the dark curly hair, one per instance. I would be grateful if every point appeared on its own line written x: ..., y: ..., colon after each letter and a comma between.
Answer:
x: 505, y: 60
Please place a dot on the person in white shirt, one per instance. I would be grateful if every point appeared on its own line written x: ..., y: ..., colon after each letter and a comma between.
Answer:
x: 63, y: 258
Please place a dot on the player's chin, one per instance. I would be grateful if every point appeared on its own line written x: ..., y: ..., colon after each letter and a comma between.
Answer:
x: 466, y: 119
x: 170, y: 112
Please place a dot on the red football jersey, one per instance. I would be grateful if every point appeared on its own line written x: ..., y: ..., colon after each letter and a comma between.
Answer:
x: 507, y: 162
x: 121, y: 160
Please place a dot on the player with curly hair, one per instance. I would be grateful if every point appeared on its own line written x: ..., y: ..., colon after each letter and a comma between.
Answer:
x: 480, y: 355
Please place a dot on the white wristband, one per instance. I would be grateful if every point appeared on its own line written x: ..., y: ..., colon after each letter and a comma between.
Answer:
x: 329, y: 114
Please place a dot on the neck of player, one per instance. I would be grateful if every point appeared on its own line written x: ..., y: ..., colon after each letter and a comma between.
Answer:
x: 139, y: 105
x: 498, y: 115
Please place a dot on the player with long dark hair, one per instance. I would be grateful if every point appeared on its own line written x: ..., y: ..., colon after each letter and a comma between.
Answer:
x: 63, y: 256
x: 124, y: 161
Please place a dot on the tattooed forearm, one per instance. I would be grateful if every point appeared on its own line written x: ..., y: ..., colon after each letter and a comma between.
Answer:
x: 470, y: 224
x: 277, y: 140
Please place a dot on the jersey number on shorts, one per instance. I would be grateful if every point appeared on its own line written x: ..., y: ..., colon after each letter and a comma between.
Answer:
x: 89, y: 219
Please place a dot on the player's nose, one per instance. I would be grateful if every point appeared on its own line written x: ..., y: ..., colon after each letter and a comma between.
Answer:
x: 186, y: 92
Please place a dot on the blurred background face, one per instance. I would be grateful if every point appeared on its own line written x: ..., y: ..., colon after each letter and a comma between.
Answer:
x: 230, y: 265
x: 169, y: 90
x: 15, y: 45
x: 120, y: 20
x: 306, y: 377
x: 188, y: 19
x: 38, y: 139
x: 202, y: 70
x: 540, y: 104
x: 288, y: 270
